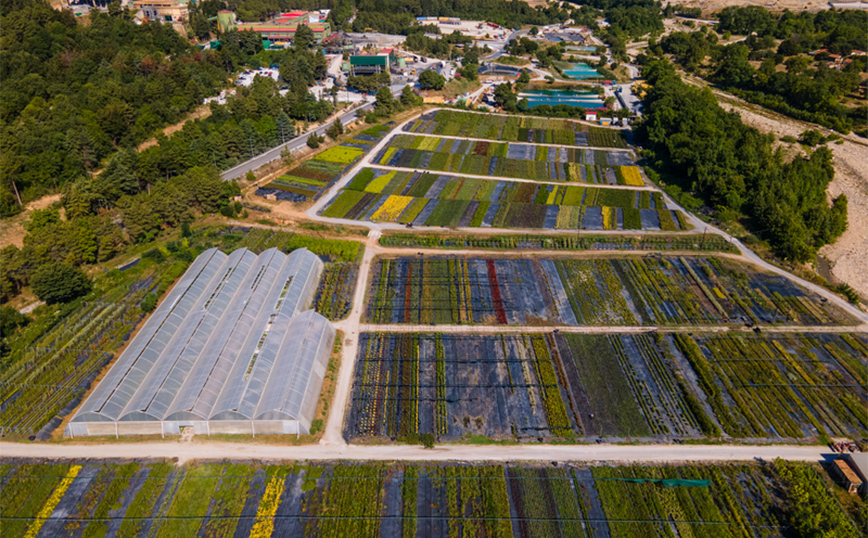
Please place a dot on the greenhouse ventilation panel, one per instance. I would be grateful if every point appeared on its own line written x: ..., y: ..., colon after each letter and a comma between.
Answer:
x: 232, y: 348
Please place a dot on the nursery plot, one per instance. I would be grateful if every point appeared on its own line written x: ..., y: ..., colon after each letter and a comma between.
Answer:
x: 310, y: 178
x: 597, y: 291
x: 472, y: 291
x: 515, y: 129
x: 783, y: 385
x: 515, y: 160
x: 96, y: 498
x: 458, y: 385
x: 454, y: 385
x: 424, y: 199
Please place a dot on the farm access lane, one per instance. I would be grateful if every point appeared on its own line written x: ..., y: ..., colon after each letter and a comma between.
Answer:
x: 603, y: 453
x: 599, y: 329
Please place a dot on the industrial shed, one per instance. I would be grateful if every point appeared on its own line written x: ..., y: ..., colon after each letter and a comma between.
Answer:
x: 229, y: 350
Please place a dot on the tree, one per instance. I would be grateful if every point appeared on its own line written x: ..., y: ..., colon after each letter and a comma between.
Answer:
x: 504, y: 97
x: 524, y: 76
x: 59, y: 283
x: 430, y: 80
x: 303, y: 38
x: 409, y: 97
x: 427, y: 440
x: 313, y: 141
x: 336, y: 129
x: 533, y: 31
x: 285, y: 127
x: 385, y: 102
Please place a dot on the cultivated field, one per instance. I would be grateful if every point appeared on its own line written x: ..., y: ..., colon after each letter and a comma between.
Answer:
x: 424, y: 199
x: 125, y: 499
x: 515, y: 129
x: 502, y: 159
x: 575, y: 386
x: 604, y: 291
x: 310, y: 178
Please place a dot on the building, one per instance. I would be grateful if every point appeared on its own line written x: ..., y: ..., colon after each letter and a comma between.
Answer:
x: 281, y: 30
x: 163, y: 10
x: 858, y: 462
x: 369, y: 64
x: 846, y: 476
x: 225, y: 20
x: 231, y: 349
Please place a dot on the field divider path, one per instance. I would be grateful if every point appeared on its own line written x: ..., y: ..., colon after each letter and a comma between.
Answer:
x: 215, y: 451
x: 521, y: 180
x: 602, y: 329
x: 333, y: 433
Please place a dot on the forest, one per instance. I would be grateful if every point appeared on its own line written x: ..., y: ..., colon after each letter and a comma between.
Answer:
x: 75, y: 94
x: 789, y: 78
x: 735, y: 171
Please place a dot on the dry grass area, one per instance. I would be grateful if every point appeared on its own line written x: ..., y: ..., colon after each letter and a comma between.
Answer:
x: 13, y: 227
x: 847, y: 256
x: 709, y: 6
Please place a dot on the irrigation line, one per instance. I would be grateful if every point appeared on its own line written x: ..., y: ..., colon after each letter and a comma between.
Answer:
x: 305, y: 517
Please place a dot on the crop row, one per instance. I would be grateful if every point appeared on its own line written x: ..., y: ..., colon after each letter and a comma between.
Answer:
x: 96, y: 498
x: 258, y: 239
x: 594, y: 291
x: 502, y: 159
x: 515, y: 129
x: 334, y: 295
x: 699, y: 243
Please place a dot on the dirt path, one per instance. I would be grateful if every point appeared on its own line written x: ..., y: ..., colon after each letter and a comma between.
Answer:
x: 201, y: 112
x: 351, y: 327
x: 196, y: 450
x: 601, y: 329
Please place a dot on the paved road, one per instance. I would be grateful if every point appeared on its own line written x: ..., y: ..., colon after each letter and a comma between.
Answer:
x: 193, y: 450
x: 294, y: 144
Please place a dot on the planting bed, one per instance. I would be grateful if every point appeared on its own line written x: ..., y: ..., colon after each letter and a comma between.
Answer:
x: 440, y: 200
x: 502, y: 159
x: 515, y: 129
x: 55, y: 360
x: 711, y: 243
x: 96, y: 498
x: 310, y: 178
x: 564, y: 385
x: 600, y: 291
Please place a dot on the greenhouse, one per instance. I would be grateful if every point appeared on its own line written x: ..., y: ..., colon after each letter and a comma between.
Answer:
x: 230, y: 349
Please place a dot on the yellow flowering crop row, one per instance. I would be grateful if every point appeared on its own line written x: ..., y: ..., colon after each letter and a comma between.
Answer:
x: 392, y: 208
x: 632, y: 176
x: 52, y: 501
x: 264, y: 525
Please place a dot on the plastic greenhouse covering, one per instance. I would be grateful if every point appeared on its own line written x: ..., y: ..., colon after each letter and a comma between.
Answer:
x: 230, y: 342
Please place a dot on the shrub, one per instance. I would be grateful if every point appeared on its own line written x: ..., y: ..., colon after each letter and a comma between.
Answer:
x: 427, y: 440
x: 149, y: 303
x: 154, y: 254
x: 59, y: 283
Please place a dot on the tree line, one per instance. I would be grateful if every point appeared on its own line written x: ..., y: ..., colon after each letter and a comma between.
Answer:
x: 734, y: 169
